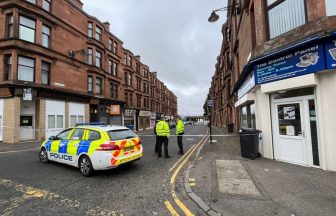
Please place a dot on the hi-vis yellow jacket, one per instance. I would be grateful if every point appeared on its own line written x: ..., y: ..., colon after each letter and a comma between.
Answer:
x: 179, y: 127
x: 162, y: 128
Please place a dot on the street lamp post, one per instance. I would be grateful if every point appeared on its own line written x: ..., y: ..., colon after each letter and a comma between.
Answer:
x: 210, y: 104
x: 214, y: 17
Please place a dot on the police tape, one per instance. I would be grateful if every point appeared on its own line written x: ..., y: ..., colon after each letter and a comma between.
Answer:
x: 31, y: 129
x: 193, y: 135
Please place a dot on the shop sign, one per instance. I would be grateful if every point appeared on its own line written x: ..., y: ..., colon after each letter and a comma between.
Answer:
x: 145, y: 113
x: 247, y: 85
x: 330, y: 47
x: 27, y: 94
x: 129, y: 112
x: 293, y: 64
x: 115, y: 110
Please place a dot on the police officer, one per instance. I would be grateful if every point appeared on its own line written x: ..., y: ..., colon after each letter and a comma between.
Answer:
x: 179, y: 133
x: 163, y: 133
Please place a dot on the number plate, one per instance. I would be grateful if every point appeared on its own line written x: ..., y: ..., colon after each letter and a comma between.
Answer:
x: 128, y: 148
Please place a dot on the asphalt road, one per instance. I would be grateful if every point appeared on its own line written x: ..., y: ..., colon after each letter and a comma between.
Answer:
x: 28, y: 187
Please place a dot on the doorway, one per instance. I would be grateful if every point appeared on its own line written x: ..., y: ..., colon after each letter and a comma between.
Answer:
x: 27, y: 131
x: 295, y: 132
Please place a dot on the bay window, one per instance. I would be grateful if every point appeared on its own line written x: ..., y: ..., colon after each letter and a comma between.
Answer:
x: 90, y: 83
x: 45, y: 73
x: 98, y: 59
x: 99, y: 85
x: 46, y: 36
x: 8, y: 67
x: 90, y: 56
x: 10, y: 26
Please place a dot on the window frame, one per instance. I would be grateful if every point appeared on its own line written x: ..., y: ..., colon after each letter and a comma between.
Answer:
x: 90, y: 30
x: 100, y: 90
x: 99, y: 59
x: 34, y: 29
x: 98, y: 33
x: 272, y: 6
x: 10, y: 25
x: 48, y: 2
x: 47, y: 35
x: 48, y: 72
x: 8, y: 66
x: 90, y: 84
x: 90, y: 56
x: 18, y: 65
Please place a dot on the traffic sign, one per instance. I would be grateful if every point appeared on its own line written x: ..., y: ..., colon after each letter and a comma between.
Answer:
x: 210, y: 103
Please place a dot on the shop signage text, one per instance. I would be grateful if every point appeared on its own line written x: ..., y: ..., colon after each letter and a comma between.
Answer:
x: 145, y: 113
x: 129, y: 112
x: 330, y: 47
x: 297, y: 63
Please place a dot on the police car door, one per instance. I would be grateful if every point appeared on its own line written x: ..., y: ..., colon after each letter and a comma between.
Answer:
x: 58, y: 145
x: 74, y: 143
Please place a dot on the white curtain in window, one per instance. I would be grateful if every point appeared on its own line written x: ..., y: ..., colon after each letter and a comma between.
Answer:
x: 26, y: 69
x: 51, y: 122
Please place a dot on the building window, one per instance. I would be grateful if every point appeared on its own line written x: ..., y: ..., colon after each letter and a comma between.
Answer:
x: 137, y: 68
x: 284, y: 16
x: 110, y: 45
x: 125, y: 59
x: 10, y: 26
x: 76, y: 119
x: 129, y: 60
x: 55, y: 121
x: 90, y: 57
x: 98, y: 33
x: 90, y: 83
x: 330, y: 7
x: 46, y: 36
x: 115, y: 47
x: 8, y: 67
x: 115, y: 69
x: 31, y: 1
x: 114, y: 90
x: 131, y: 99
x: 126, y: 97
x: 129, y: 83
x: 90, y: 29
x: 45, y: 72
x: 110, y: 67
x: 46, y: 5
x: 27, y: 29
x: 26, y: 69
x: 98, y: 59
x: 99, y: 85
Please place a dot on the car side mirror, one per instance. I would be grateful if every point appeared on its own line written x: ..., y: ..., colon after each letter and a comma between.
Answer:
x: 52, y: 138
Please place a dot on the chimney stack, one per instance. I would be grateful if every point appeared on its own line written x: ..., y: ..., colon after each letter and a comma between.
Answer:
x: 107, y: 26
x: 137, y: 57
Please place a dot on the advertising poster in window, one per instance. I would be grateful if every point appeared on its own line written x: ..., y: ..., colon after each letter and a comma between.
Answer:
x: 289, y: 113
x: 330, y: 48
x: 296, y: 63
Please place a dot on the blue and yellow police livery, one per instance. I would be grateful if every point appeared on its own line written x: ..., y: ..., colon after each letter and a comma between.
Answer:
x: 92, y: 147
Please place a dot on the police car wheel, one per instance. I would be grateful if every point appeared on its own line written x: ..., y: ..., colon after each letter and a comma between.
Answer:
x: 85, y: 166
x: 43, y: 156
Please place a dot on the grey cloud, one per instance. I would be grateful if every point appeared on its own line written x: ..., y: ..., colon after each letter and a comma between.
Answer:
x: 173, y: 38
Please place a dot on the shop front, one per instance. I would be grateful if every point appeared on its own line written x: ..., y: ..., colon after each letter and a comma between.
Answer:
x: 130, y: 119
x: 153, y: 120
x: 294, y: 103
x: 144, y: 119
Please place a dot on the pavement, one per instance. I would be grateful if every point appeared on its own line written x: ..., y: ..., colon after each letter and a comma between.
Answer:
x: 220, y: 182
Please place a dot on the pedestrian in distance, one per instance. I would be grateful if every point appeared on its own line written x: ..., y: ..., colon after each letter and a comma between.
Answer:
x: 179, y: 134
x: 156, y: 138
x: 163, y: 133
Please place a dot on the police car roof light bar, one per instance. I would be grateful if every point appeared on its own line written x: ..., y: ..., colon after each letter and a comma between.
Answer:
x: 91, y: 123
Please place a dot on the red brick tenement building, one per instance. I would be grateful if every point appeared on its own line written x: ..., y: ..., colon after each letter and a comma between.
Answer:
x: 280, y: 56
x: 60, y: 66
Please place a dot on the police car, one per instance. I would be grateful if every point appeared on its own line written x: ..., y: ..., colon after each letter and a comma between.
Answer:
x: 92, y: 147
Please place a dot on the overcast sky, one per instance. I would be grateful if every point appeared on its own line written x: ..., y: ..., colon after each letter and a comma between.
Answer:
x: 172, y: 37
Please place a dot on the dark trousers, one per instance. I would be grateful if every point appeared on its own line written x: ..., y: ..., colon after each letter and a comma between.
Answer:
x: 157, y: 144
x: 180, y: 143
x: 164, y: 141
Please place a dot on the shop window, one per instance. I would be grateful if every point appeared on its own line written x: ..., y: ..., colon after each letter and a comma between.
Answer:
x: 10, y: 26
x: 294, y: 93
x: 90, y: 29
x: 98, y: 33
x: 247, y: 116
x: 289, y: 119
x: 285, y: 15
x: 90, y: 56
x: 45, y: 73
x: 90, y: 84
x: 46, y: 36
x: 27, y: 29
x: 46, y: 5
x: 26, y: 69
x: 330, y: 7
x: 8, y: 67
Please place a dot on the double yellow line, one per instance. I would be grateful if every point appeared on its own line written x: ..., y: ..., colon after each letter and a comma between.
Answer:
x: 179, y: 164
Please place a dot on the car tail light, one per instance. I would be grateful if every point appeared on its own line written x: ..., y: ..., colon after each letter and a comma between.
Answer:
x: 140, y: 142
x: 108, y: 147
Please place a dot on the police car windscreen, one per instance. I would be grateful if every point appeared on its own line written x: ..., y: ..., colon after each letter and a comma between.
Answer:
x: 121, y: 134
